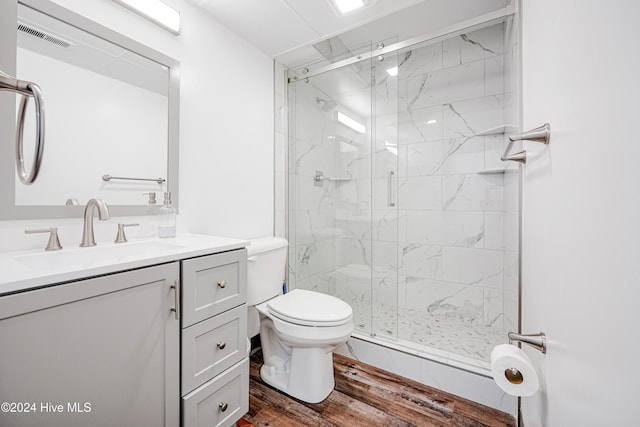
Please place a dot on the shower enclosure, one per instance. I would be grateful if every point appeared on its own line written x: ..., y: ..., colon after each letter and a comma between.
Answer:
x: 398, y: 202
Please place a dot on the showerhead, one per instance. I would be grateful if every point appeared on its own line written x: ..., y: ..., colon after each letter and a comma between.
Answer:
x: 326, y: 105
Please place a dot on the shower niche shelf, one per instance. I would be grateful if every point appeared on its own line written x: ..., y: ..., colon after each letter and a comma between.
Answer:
x: 496, y: 130
x: 490, y: 171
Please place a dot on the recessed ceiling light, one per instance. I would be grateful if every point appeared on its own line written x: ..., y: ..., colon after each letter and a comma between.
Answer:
x: 393, y: 71
x: 346, y: 6
x: 349, y: 122
x: 155, y: 11
x: 431, y: 122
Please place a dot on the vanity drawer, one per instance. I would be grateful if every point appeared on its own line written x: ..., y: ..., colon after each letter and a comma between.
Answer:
x: 220, y: 402
x: 211, y: 346
x: 213, y: 284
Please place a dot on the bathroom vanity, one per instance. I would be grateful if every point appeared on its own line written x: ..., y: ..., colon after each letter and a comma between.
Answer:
x: 92, y: 336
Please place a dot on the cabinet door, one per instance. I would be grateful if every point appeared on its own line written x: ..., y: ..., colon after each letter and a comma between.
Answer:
x: 213, y: 284
x: 98, y: 352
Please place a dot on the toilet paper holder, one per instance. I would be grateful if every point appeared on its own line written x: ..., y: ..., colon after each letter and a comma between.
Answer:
x: 537, y: 341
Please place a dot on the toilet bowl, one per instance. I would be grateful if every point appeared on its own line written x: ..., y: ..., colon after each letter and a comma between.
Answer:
x: 299, y: 330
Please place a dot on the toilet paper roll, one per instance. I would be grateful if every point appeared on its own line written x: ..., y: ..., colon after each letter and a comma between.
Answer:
x: 513, y: 371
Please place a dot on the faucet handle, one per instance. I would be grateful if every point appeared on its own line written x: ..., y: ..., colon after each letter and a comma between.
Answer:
x: 54, y: 243
x: 120, y: 237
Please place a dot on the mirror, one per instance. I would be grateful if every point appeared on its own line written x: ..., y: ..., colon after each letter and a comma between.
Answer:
x: 111, y: 109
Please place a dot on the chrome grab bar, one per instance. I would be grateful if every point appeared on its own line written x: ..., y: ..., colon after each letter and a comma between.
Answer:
x: 27, y: 90
x: 107, y: 177
x: 390, y: 203
x: 540, y: 134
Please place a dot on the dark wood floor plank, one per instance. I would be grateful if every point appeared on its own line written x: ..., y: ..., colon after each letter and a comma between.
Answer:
x: 406, y: 399
x: 267, y: 397
x: 343, y: 410
x: 476, y: 415
x: 366, y: 396
x: 411, y: 395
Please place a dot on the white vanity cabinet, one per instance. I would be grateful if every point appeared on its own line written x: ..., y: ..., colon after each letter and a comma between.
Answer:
x: 142, y: 334
x: 102, y: 351
x: 215, y: 364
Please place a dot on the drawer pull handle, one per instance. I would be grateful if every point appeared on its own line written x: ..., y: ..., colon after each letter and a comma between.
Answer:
x: 222, y: 284
x: 223, y: 406
x: 221, y: 345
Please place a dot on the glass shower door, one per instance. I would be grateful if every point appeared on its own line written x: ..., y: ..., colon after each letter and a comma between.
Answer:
x: 453, y: 104
x: 398, y: 201
x: 330, y: 187
x: 385, y: 219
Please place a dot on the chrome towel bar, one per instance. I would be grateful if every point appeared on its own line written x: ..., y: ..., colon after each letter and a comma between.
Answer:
x: 107, y: 177
x: 27, y: 90
x: 540, y: 134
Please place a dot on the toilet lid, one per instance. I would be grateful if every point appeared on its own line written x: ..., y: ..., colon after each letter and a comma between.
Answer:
x: 310, y: 308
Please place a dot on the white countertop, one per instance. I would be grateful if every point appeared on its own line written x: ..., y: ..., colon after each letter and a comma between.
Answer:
x: 29, y: 269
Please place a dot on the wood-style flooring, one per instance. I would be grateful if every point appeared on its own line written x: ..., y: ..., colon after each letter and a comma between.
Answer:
x: 367, y: 396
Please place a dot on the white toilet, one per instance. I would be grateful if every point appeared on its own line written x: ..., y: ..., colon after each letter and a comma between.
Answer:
x: 298, y: 330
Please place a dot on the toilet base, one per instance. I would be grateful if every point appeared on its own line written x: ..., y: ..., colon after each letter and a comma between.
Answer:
x: 308, y: 376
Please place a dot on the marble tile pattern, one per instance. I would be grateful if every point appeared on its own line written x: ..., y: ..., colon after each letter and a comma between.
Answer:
x: 439, y: 268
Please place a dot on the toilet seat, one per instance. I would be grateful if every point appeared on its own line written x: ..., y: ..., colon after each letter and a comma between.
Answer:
x: 308, y: 308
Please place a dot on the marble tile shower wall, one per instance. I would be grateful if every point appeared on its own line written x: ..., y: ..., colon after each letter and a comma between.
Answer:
x: 432, y: 268
x: 450, y: 263
x: 312, y: 209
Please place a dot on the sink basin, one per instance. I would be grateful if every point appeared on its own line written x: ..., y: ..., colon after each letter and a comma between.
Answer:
x: 73, y: 258
x: 34, y: 268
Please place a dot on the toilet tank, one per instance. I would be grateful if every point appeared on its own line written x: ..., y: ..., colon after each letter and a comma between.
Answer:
x: 267, y: 258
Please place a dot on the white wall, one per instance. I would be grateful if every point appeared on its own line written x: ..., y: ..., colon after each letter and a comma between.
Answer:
x: 581, y: 274
x: 226, y: 118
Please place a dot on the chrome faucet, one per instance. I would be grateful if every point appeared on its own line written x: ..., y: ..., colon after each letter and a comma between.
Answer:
x: 87, y: 230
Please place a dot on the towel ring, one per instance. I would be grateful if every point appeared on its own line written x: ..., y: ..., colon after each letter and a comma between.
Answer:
x: 26, y: 90
x: 28, y: 178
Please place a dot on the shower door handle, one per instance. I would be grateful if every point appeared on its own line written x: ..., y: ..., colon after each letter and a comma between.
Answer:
x: 390, y: 202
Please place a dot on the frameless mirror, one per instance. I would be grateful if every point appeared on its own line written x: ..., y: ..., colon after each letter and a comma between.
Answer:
x: 111, y: 111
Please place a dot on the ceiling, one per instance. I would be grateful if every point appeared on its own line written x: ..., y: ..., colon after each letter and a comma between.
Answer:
x: 84, y: 50
x: 279, y: 26
x: 287, y: 30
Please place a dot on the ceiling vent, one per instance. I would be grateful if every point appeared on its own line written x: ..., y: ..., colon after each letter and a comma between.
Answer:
x: 44, y: 36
